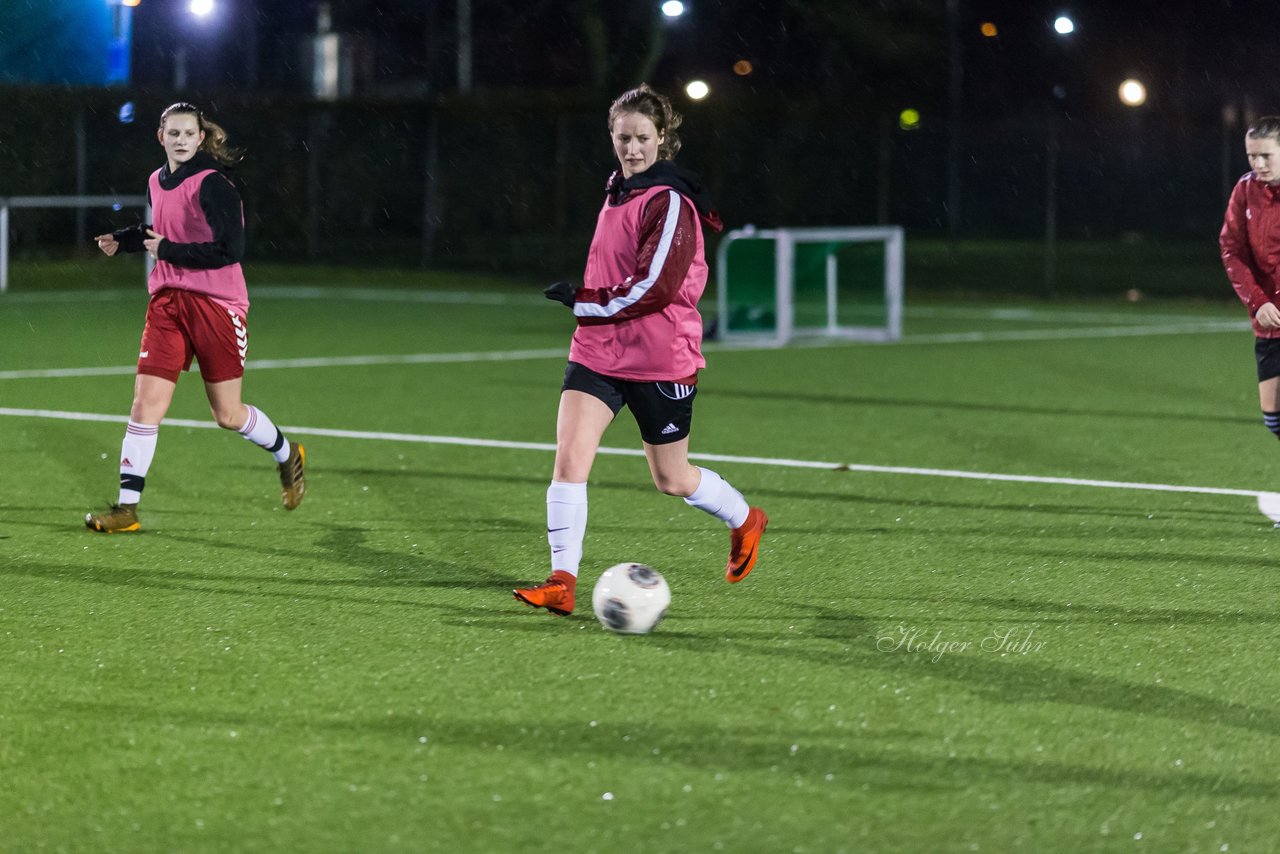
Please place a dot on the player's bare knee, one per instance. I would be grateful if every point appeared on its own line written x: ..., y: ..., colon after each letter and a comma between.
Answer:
x: 145, y: 411
x: 228, y: 419
x: 571, y: 466
x: 669, y: 485
x: 570, y: 473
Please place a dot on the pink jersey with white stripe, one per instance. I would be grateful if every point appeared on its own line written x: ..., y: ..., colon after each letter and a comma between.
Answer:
x: 662, y: 346
x: 178, y: 216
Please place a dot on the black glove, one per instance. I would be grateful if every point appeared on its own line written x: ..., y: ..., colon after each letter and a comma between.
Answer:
x: 561, y: 292
x: 131, y: 236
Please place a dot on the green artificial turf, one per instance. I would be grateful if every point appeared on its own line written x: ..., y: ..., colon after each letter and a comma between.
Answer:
x: 918, y: 663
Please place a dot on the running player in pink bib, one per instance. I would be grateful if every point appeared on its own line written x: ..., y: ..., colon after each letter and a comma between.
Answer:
x: 638, y: 344
x: 198, y: 308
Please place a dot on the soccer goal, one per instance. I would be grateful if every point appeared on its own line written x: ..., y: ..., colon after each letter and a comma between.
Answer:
x: 781, y: 283
x: 113, y: 202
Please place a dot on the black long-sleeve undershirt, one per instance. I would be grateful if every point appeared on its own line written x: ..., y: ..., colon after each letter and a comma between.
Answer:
x: 222, y: 210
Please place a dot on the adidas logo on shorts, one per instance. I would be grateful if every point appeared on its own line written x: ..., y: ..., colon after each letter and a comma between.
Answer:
x: 669, y: 429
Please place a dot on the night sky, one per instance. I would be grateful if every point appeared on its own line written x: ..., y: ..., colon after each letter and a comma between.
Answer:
x: 1195, y: 55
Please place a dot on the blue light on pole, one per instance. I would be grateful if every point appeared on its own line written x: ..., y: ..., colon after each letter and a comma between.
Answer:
x: 201, y: 8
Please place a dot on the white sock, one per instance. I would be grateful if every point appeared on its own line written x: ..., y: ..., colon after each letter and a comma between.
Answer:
x: 566, y: 524
x: 714, y: 495
x: 259, y: 430
x: 136, y: 452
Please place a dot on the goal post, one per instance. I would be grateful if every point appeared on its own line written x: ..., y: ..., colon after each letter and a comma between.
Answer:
x: 782, y: 283
x: 113, y: 202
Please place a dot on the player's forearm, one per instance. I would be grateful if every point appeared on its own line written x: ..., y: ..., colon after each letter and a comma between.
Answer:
x: 667, y: 249
x: 130, y: 237
x: 198, y: 256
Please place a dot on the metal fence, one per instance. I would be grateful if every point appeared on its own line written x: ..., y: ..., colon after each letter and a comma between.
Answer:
x: 515, y: 179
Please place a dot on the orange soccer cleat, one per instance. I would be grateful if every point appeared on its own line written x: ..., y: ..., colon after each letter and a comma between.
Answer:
x: 118, y: 518
x: 555, y: 594
x: 293, y: 477
x: 744, y: 545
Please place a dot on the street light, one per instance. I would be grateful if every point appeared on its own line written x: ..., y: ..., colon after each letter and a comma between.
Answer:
x: 673, y: 8
x: 1064, y: 26
x: 697, y: 90
x: 1133, y: 93
x: 201, y: 9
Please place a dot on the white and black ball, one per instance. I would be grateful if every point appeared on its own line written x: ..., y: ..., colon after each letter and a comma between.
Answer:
x: 631, y: 598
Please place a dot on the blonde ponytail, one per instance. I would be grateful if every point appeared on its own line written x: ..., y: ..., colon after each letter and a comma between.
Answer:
x: 215, y: 142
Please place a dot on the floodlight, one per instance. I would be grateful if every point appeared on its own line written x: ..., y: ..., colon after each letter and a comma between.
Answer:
x: 1133, y: 93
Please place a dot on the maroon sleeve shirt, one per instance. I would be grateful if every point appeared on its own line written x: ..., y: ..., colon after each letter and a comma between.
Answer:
x: 664, y: 211
x: 1250, y: 245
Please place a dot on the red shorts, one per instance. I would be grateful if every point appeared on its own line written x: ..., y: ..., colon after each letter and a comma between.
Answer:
x: 184, y: 324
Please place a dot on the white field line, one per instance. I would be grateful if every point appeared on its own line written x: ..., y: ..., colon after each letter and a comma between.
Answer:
x: 1015, y: 314
x: 1197, y: 327
x: 399, y: 295
x: 562, y: 352
x: 1011, y: 314
x: 636, y: 452
x: 317, y: 362
x: 300, y: 292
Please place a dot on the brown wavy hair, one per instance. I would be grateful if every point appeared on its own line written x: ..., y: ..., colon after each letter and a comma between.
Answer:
x: 215, y: 138
x: 657, y: 108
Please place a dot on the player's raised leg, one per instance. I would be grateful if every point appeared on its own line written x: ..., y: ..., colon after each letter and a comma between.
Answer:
x: 580, y: 424
x: 710, y: 493
x: 231, y: 413
x: 151, y: 398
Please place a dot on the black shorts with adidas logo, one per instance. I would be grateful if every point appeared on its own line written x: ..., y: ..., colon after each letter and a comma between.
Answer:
x: 664, y: 411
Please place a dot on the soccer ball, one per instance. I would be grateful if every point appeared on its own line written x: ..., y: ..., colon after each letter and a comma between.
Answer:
x: 631, y: 598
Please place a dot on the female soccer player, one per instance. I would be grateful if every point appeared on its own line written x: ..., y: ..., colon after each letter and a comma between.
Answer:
x: 1250, y: 244
x: 638, y: 344
x: 198, y: 307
